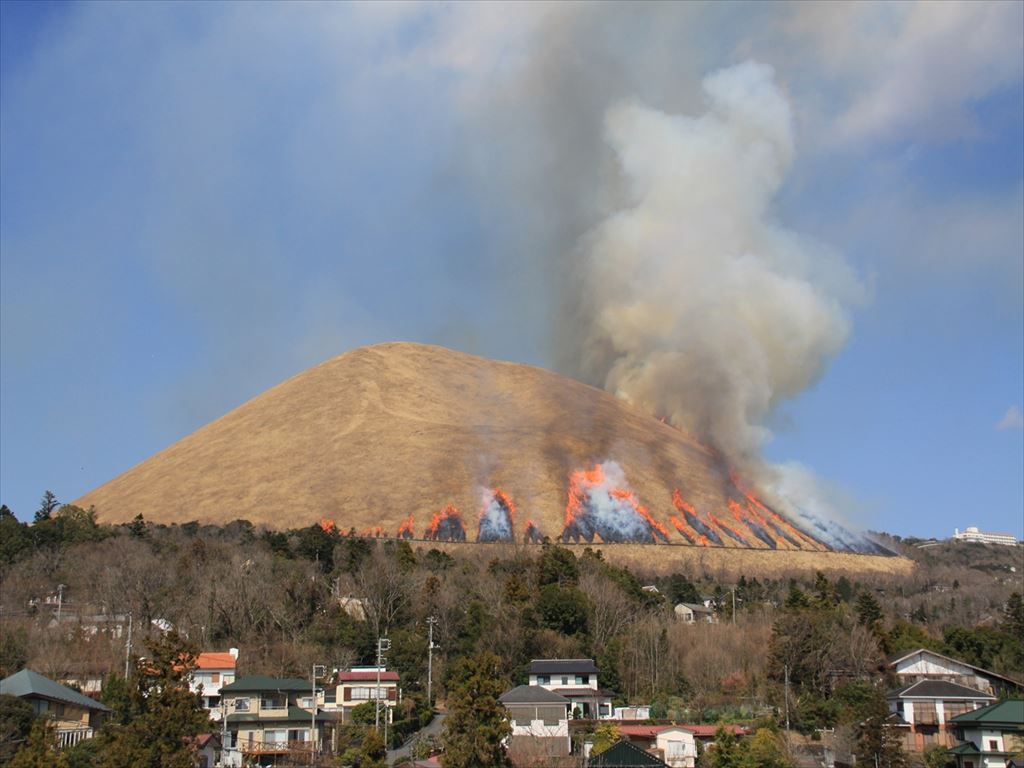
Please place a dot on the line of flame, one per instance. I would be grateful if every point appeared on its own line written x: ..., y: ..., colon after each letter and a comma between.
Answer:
x: 683, y: 506
x: 449, y: 512
x: 406, y: 528
x: 757, y: 503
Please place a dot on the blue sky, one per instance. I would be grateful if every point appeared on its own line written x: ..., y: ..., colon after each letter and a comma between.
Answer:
x: 200, y: 200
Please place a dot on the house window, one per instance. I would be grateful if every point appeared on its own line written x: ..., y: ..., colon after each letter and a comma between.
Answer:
x: 543, y: 679
x: 565, y: 680
x: 521, y: 716
x: 330, y: 696
x: 241, y: 705
x: 275, y: 737
x: 306, y: 702
x: 675, y: 750
x: 215, y: 677
x: 993, y: 745
x: 364, y: 693
x: 551, y: 716
x: 273, y: 702
x: 582, y: 679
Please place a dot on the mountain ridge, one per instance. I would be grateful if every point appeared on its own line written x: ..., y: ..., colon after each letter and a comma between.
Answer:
x: 393, y: 433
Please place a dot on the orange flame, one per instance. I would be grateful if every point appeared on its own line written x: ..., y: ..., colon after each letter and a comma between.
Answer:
x: 532, y: 533
x: 687, y: 532
x: 755, y: 503
x: 722, y: 525
x: 641, y: 510
x: 405, y: 530
x: 681, y: 525
x: 580, y: 483
x: 749, y: 516
x: 327, y: 525
x: 439, y: 518
x: 375, y: 531
x: 505, y: 500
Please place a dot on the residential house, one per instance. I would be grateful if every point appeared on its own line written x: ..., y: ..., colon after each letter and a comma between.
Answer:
x: 576, y: 680
x: 212, y: 671
x: 359, y: 685
x: 540, y: 723
x: 691, y: 613
x: 74, y: 715
x: 269, y: 718
x: 923, y: 664
x: 207, y: 750
x: 926, y: 709
x: 676, y: 745
x: 625, y: 754
x: 991, y: 737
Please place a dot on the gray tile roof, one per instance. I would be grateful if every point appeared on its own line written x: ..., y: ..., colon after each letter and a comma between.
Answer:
x: 563, y: 667
x: 264, y: 683
x: 938, y: 689
x: 29, y: 683
x: 531, y: 694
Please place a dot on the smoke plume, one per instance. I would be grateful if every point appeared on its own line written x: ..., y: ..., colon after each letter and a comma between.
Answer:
x: 700, y: 306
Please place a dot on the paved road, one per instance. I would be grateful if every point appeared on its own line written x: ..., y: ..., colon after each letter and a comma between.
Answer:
x: 433, y: 729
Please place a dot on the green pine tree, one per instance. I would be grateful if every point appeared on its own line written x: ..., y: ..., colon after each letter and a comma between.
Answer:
x: 477, y: 722
x: 869, y: 612
x: 40, y: 751
x: 159, y: 715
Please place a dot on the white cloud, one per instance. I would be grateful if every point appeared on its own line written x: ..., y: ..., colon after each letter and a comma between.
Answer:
x: 1012, y: 419
x: 940, y: 59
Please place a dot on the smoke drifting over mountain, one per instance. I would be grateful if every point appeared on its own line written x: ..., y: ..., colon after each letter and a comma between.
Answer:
x: 648, y: 203
x: 701, y: 307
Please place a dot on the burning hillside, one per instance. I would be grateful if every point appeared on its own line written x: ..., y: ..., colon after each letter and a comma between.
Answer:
x: 394, y: 440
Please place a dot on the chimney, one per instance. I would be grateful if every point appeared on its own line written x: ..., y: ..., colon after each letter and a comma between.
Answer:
x: 233, y: 652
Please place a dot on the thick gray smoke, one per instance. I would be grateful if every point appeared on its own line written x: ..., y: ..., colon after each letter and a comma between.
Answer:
x: 645, y: 198
x: 703, y: 308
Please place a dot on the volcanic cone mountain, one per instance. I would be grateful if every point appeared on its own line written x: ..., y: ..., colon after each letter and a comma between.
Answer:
x: 422, y: 442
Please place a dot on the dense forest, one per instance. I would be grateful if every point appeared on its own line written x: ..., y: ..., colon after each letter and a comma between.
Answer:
x: 280, y: 597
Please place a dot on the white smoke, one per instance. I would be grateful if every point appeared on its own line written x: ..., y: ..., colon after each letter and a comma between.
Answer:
x: 606, y: 514
x: 495, y: 519
x: 701, y: 307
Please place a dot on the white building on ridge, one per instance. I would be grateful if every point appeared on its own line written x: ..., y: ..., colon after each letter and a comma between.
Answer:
x: 971, y: 533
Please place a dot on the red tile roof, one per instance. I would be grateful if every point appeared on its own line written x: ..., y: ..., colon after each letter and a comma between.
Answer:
x: 211, y: 660
x: 708, y: 731
x: 643, y: 731
x: 700, y: 731
x: 349, y: 677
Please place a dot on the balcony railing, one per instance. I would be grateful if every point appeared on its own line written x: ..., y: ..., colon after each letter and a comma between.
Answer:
x: 277, y: 747
x: 68, y: 737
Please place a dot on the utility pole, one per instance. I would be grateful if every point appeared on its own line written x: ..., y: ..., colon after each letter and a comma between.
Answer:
x: 60, y: 600
x: 383, y: 645
x: 431, y: 621
x: 128, y: 646
x: 223, y: 728
x: 733, y: 590
x: 318, y: 670
x: 786, y: 671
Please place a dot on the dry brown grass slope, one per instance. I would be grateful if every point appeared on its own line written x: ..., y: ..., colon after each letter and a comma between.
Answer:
x: 382, y: 432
